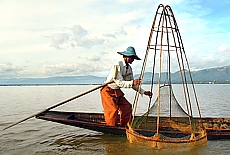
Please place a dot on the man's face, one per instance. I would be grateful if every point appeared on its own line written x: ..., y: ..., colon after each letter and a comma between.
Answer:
x: 129, y: 59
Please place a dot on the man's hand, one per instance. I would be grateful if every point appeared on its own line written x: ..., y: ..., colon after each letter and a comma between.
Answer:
x: 148, y: 93
x: 137, y: 81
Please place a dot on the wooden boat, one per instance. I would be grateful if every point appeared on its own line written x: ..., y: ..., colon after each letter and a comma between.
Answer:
x: 216, y: 128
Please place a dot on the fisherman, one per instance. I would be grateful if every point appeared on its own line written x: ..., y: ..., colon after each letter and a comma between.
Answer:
x: 113, y: 100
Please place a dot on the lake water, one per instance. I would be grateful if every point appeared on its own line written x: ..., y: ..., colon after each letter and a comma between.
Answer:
x: 39, y: 137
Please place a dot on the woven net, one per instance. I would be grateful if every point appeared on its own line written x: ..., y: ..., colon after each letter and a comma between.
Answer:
x: 166, y: 124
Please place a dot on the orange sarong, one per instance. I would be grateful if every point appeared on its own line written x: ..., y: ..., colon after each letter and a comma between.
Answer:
x: 113, y: 101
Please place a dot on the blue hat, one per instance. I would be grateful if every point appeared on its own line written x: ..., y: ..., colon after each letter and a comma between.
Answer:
x: 130, y: 52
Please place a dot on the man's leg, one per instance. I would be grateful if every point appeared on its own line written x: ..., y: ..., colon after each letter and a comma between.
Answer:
x: 125, y: 109
x: 110, y: 108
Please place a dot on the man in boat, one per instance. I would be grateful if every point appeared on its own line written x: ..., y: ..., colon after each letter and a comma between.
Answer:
x: 112, y: 97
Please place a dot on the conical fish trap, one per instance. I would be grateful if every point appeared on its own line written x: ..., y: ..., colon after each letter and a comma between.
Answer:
x: 169, y: 125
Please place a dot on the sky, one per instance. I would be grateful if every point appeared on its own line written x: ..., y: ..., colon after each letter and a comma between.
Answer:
x: 73, y: 37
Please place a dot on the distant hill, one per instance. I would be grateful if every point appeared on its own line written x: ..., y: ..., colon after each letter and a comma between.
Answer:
x: 218, y: 74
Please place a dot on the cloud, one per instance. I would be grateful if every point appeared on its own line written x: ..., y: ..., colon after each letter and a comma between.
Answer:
x: 220, y: 57
x: 79, y: 32
x: 223, y: 55
x: 8, y: 69
x: 89, y: 42
x: 224, y: 48
x: 59, y: 39
x: 110, y: 35
x: 119, y: 32
x: 94, y: 58
x: 216, y: 58
x: 59, y: 69
x: 82, y: 37
x: 96, y: 30
x: 93, y: 66
x: 72, y: 69
x: 78, y: 36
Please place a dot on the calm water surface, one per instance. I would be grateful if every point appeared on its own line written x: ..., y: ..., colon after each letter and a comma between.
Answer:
x: 40, y: 137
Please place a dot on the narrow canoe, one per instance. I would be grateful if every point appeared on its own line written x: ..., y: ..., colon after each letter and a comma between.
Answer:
x: 216, y: 128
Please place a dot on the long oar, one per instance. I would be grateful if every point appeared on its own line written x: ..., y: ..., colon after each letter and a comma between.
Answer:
x: 63, y: 102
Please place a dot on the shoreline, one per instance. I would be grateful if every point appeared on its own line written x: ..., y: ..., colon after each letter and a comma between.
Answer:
x: 66, y: 84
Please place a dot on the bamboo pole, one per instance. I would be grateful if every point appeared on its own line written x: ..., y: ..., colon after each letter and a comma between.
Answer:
x: 56, y: 105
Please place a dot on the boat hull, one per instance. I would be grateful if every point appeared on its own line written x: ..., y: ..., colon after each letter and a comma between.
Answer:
x: 216, y: 128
